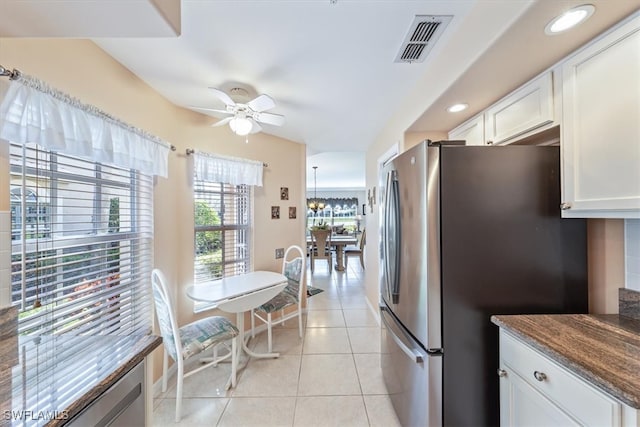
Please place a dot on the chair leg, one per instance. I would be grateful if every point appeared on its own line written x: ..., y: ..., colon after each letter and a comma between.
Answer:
x: 215, y: 355
x: 165, y: 368
x: 253, y: 325
x: 234, y: 360
x: 362, y: 261
x: 180, y: 379
x: 282, y: 316
x: 269, y: 333
x: 299, y: 320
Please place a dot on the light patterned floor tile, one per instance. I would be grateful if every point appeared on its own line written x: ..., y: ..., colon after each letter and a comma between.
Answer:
x: 262, y: 412
x: 370, y: 373
x: 331, y: 411
x: 380, y: 411
x: 328, y: 375
x: 324, y: 301
x: 285, y: 341
x: 364, y: 340
x: 359, y: 317
x: 325, y: 319
x: 269, y: 377
x: 326, y: 341
x: 195, y: 412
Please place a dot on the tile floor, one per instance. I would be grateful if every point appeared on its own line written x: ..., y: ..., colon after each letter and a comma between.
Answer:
x: 330, y: 377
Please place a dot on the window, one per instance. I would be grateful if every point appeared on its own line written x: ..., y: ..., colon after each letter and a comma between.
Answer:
x: 81, y: 244
x: 222, y: 218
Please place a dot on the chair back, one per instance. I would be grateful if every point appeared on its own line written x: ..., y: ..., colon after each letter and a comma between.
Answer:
x: 322, y: 242
x: 294, y: 269
x: 165, y: 315
x: 363, y: 239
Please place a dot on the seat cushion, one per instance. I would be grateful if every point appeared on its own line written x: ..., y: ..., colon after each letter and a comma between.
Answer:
x: 288, y: 296
x: 203, y: 333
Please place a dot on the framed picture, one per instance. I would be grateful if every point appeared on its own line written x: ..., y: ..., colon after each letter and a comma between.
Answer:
x: 284, y: 193
x: 292, y: 212
x: 275, y: 212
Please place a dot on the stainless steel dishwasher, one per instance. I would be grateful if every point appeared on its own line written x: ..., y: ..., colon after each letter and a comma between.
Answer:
x: 123, y: 404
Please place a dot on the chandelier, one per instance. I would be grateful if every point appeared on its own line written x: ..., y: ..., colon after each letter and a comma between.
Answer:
x: 314, y: 205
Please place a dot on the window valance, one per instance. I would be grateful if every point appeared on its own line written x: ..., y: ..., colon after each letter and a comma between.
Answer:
x: 33, y: 112
x: 230, y: 170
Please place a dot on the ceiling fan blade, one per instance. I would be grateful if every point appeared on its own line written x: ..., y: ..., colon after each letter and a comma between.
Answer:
x: 261, y: 103
x: 213, y: 110
x: 222, y: 122
x: 255, y: 127
x: 270, y: 118
x: 223, y: 96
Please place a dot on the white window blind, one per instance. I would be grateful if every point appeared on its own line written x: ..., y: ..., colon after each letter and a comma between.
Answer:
x: 81, y: 244
x: 222, y: 217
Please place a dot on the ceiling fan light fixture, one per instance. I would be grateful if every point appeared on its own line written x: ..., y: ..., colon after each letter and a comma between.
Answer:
x: 456, y: 108
x: 240, y: 126
x: 569, y: 19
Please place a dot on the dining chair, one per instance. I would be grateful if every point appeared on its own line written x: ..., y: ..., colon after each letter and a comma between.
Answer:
x: 321, y: 247
x: 356, y: 250
x: 291, y: 295
x: 181, y: 343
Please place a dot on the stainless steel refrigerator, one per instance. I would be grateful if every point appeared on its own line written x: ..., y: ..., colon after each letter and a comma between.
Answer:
x: 467, y: 232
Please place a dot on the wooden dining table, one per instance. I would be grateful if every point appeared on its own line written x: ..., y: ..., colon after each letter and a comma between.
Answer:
x: 339, y: 241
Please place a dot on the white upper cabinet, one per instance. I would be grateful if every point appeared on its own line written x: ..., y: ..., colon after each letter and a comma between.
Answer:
x: 526, y: 109
x: 472, y: 131
x: 600, y: 137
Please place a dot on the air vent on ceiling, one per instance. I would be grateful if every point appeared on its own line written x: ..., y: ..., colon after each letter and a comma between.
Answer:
x: 422, y: 35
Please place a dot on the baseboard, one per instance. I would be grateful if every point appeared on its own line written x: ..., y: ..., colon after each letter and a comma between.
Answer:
x: 374, y: 310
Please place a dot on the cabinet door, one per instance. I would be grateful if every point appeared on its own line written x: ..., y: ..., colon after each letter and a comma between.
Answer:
x: 472, y: 131
x: 523, y: 405
x: 527, y: 109
x: 601, y: 127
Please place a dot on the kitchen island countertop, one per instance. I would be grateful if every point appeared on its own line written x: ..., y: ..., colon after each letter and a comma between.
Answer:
x: 58, y: 376
x: 603, y: 349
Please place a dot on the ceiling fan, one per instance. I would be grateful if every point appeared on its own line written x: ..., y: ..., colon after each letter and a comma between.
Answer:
x: 245, y: 118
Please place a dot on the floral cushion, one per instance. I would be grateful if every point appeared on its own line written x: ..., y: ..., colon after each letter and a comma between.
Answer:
x: 199, y: 335
x: 280, y: 301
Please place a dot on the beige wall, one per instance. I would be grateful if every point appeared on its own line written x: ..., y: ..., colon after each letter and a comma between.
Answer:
x: 84, y: 71
x: 606, y: 264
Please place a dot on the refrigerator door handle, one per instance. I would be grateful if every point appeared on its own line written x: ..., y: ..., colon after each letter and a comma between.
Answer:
x: 392, y: 237
x: 399, y: 338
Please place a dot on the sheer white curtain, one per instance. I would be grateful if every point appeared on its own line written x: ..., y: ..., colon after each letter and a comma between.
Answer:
x: 229, y: 170
x: 31, y: 111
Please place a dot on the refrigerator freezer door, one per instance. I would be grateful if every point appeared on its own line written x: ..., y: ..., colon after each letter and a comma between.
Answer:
x: 413, y: 378
x: 411, y: 244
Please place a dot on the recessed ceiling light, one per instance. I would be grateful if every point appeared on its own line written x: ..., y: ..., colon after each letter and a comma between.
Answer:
x: 569, y: 19
x: 457, y: 107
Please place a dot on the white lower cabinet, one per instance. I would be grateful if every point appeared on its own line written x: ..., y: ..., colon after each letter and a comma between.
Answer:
x: 536, y: 391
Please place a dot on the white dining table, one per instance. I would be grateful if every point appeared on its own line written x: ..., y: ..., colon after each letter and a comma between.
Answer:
x: 240, y: 294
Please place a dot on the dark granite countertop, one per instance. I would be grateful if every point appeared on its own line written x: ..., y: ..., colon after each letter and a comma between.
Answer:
x: 604, y: 349
x: 58, y: 376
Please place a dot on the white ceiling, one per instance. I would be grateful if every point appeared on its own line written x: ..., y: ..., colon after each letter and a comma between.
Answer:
x: 327, y: 64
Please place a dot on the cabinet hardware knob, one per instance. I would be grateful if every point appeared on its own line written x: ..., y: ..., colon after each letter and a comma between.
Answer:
x: 540, y: 376
x: 502, y: 373
x: 564, y: 206
x: 489, y: 142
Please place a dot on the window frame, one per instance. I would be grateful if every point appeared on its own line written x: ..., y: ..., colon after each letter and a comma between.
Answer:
x: 67, y: 306
x: 243, y: 196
